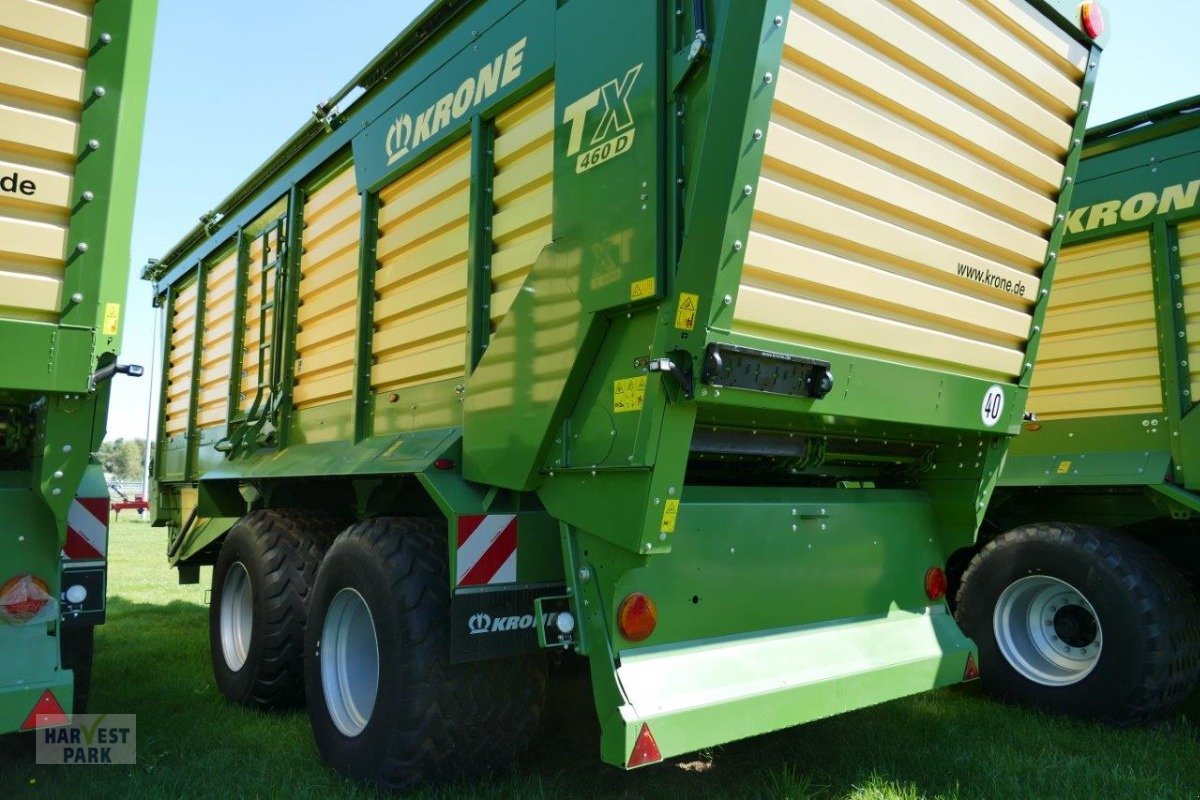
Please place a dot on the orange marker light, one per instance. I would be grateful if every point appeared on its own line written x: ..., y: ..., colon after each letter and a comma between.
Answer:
x: 1093, y: 19
x: 637, y: 617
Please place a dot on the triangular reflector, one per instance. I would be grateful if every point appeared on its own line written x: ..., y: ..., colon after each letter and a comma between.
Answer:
x: 47, y: 713
x: 645, y: 749
x: 971, y: 672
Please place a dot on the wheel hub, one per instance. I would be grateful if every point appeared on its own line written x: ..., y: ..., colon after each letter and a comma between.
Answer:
x: 237, y: 616
x: 1047, y: 630
x: 349, y: 662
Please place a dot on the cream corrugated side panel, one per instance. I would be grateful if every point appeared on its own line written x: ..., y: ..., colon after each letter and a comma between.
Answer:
x: 910, y: 179
x: 43, y: 50
x: 217, y: 356
x: 327, y: 317
x: 1099, y: 350
x: 179, y: 371
x: 1189, y: 255
x: 421, y: 310
x: 523, y: 192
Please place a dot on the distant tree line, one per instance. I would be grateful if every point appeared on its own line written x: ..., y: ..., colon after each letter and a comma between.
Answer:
x: 124, y: 459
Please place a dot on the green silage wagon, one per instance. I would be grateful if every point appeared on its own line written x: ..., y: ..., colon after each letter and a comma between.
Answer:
x: 1081, y: 590
x: 688, y: 337
x: 73, y: 79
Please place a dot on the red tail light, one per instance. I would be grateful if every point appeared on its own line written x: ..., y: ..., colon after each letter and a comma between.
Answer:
x: 636, y: 617
x: 936, y: 583
x: 645, y: 749
x: 22, y: 598
x: 1093, y: 19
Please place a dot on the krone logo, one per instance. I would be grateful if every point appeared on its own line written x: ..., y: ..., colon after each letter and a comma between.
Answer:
x: 607, y: 109
x: 408, y: 132
x: 481, y: 622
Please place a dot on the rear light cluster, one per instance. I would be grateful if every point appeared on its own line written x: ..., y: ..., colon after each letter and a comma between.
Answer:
x: 636, y: 617
x: 936, y: 583
x: 1092, y: 17
x: 23, y: 598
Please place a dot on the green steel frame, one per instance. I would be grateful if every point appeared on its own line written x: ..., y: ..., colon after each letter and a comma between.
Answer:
x: 610, y: 494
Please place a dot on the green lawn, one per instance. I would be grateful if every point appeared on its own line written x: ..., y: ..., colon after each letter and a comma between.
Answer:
x: 152, y: 660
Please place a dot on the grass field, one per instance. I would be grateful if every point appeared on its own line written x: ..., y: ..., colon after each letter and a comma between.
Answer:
x: 152, y: 660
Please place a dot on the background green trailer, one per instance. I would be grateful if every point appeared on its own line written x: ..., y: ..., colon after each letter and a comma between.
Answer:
x: 1088, y: 606
x: 687, y: 337
x: 73, y: 80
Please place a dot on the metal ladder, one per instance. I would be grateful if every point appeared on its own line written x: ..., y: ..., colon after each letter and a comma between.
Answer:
x: 258, y: 425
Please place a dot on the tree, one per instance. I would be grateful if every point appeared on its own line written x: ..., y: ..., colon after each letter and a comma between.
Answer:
x: 123, y: 458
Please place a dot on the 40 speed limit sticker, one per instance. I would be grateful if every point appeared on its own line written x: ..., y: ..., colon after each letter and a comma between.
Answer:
x: 993, y: 405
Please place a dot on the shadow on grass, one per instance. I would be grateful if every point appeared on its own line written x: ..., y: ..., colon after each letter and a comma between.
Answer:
x: 152, y: 660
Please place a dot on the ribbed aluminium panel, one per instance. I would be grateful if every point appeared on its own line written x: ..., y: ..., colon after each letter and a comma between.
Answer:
x: 421, y: 285
x: 43, y: 52
x: 911, y: 173
x: 215, y: 359
x: 182, y: 341
x: 327, y: 318
x: 1099, y: 350
x: 523, y: 192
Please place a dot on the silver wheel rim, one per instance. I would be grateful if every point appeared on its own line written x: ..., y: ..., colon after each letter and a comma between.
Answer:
x: 349, y: 662
x: 1048, y: 631
x: 237, y: 616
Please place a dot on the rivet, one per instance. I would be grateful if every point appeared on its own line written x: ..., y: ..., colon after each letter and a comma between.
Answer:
x: 747, y: 190
x: 89, y: 197
x: 758, y: 134
x: 56, y: 492
x: 737, y: 247
x: 93, y: 144
x: 768, y: 77
x: 58, y: 473
x: 778, y: 22
x: 106, y: 38
x: 99, y: 91
x: 82, y: 247
x: 77, y: 298
x: 728, y: 300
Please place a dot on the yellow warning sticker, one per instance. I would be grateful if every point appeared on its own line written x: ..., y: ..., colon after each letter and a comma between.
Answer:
x: 629, y: 394
x: 640, y: 290
x: 670, y: 513
x: 112, y: 319
x: 1063, y: 467
x: 685, y: 314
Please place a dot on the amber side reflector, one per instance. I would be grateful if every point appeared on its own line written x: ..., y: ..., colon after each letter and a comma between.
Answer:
x: 645, y: 749
x: 637, y: 617
x: 1092, y: 16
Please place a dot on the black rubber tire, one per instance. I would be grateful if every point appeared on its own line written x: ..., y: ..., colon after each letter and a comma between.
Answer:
x: 431, y: 719
x: 78, y: 652
x: 1150, y: 657
x: 281, y: 551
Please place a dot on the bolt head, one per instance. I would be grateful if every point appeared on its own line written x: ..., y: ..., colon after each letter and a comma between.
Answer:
x: 99, y: 91
x: 106, y: 38
x: 89, y: 197
x: 77, y: 298
x: 93, y: 144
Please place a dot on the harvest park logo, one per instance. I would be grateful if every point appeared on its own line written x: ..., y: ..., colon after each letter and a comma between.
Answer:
x: 88, y: 739
x: 614, y: 125
x: 410, y: 131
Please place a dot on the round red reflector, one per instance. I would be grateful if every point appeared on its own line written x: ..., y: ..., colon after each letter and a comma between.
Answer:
x: 935, y: 583
x: 637, y: 617
x: 24, y: 597
x: 1093, y: 19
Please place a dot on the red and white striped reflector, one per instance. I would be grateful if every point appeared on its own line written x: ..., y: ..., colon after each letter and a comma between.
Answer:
x: 487, y: 549
x: 87, y: 529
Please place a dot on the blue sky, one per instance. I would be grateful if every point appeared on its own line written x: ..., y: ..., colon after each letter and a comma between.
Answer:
x: 233, y: 79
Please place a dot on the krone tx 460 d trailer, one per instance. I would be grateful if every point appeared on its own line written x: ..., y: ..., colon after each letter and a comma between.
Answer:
x: 685, y: 336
